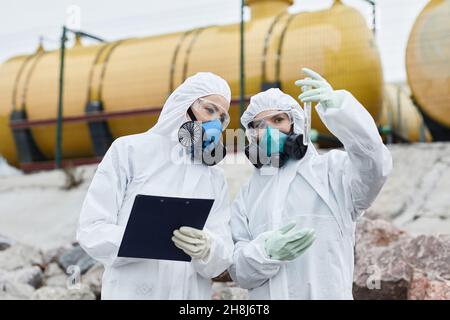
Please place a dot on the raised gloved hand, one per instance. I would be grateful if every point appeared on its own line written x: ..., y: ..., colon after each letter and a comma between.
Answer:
x: 193, y: 242
x: 319, y: 90
x: 288, y: 243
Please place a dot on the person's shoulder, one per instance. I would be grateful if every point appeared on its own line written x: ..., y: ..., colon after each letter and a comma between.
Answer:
x: 135, y: 141
x: 335, y: 155
x: 130, y: 139
x: 334, y: 158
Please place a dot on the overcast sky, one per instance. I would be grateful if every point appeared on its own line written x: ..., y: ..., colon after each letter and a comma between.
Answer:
x: 22, y: 22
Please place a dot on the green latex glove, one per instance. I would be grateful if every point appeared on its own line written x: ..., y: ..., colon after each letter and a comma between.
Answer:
x: 288, y: 243
x: 319, y: 90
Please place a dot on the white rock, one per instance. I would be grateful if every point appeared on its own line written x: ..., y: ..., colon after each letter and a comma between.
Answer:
x: 52, y: 255
x: 7, y: 170
x: 59, y: 293
x: 54, y: 276
x: 13, y: 290
x: 19, y: 256
x: 32, y: 276
x: 416, y: 196
x: 53, y: 269
x: 56, y: 281
x: 5, y: 242
x: 93, y: 278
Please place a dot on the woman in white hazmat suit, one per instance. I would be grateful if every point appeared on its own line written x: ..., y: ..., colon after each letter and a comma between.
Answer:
x: 320, y: 193
x: 154, y: 163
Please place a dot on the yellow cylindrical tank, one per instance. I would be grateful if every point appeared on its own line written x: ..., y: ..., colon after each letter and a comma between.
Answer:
x: 428, y: 62
x: 134, y: 74
x: 42, y: 98
x: 402, y: 116
x: 9, y: 73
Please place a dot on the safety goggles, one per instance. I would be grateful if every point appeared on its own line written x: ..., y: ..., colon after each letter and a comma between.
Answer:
x: 206, y: 109
x: 276, y: 120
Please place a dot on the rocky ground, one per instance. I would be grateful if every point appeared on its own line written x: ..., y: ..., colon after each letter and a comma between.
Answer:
x: 30, y: 273
x: 393, y: 264
x: 417, y: 195
x: 402, y: 251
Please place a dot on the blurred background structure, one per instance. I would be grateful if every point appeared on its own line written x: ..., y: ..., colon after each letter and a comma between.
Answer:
x: 70, y: 103
x: 75, y: 75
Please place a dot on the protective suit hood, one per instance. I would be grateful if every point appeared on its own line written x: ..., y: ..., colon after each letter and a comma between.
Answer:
x: 275, y: 99
x: 173, y: 113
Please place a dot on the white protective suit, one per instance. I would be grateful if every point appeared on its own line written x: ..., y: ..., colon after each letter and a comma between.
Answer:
x: 326, y: 192
x: 154, y: 163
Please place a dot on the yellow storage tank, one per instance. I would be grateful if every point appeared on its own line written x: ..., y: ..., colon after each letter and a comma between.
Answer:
x: 401, y: 115
x: 428, y: 66
x: 132, y: 78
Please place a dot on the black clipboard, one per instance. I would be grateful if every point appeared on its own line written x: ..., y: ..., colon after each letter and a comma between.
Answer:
x: 151, y: 224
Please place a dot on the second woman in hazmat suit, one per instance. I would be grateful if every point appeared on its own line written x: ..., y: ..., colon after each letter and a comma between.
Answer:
x: 155, y: 163
x: 293, y: 223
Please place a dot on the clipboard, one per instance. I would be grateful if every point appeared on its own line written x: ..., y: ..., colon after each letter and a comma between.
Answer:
x: 151, y: 224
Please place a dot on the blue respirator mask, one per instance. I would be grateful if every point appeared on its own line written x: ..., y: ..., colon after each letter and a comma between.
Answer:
x: 275, y: 148
x: 202, y: 139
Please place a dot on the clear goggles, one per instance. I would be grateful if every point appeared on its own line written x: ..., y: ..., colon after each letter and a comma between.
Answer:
x: 207, y: 110
x: 277, y: 120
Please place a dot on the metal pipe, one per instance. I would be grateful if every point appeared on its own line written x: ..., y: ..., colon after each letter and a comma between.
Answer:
x: 58, y: 147
x: 88, y: 35
x: 242, y: 62
x: 59, y: 122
